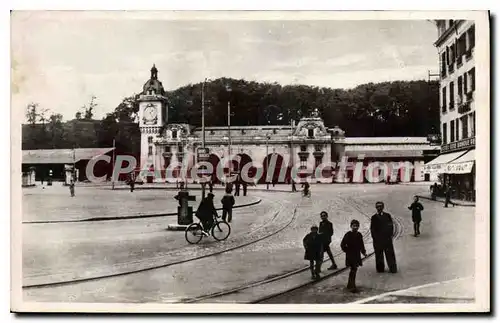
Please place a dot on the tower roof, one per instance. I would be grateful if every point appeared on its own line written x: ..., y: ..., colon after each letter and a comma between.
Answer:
x: 153, y: 85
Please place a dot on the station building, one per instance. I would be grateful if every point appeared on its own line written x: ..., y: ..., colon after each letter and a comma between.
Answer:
x: 305, y: 144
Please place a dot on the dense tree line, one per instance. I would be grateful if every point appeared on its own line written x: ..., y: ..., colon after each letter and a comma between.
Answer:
x: 400, y: 108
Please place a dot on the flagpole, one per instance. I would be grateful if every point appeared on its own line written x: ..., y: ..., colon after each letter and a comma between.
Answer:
x: 113, y: 167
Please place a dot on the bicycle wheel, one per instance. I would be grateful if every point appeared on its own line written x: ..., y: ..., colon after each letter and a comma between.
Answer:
x: 194, y: 233
x: 221, y: 230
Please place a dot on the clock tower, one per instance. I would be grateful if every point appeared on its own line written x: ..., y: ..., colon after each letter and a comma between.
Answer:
x: 153, y: 114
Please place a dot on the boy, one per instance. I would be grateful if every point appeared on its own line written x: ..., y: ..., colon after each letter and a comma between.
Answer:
x: 314, y: 251
x: 352, y: 244
x: 416, y: 208
x: 326, y: 232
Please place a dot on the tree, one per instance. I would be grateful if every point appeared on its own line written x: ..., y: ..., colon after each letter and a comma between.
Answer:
x: 88, y: 112
x: 32, y: 113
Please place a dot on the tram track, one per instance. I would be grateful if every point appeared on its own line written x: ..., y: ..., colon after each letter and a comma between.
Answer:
x: 399, y: 229
x: 182, y: 261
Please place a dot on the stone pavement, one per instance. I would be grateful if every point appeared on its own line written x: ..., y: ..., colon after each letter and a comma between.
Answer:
x: 54, y: 252
x: 278, y: 254
x: 53, y: 203
x: 444, y: 252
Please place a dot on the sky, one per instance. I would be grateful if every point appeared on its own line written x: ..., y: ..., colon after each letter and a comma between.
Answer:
x: 60, y: 59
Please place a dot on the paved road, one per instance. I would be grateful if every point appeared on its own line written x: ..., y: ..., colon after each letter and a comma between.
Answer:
x: 53, y: 203
x: 443, y: 252
x: 139, y: 241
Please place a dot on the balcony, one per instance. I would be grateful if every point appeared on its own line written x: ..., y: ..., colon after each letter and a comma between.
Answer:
x: 451, y: 67
x: 468, y: 54
x: 303, y: 155
x: 464, y: 108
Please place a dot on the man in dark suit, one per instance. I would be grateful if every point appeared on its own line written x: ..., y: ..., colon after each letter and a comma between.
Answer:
x: 382, y: 230
x: 326, y: 233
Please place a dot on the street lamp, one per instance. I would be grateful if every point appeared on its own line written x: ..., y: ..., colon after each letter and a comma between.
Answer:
x: 267, y: 159
x: 229, y: 90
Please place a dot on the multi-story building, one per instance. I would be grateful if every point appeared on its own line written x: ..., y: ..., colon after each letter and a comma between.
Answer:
x: 305, y: 145
x: 456, y: 163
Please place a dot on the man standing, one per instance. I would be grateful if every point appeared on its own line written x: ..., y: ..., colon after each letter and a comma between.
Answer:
x: 382, y: 231
x: 326, y: 233
x: 245, y: 185
x: 227, y: 205
x: 447, y: 197
x: 416, y: 215
x: 237, y: 186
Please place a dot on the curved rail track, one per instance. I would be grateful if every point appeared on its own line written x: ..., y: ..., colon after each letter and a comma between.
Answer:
x: 398, y: 232
x: 89, y: 279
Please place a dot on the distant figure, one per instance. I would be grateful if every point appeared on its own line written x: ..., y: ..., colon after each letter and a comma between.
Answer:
x: 353, y: 246
x: 294, y: 188
x: 206, y: 212
x: 72, y: 188
x: 227, y: 205
x: 434, y: 189
x: 41, y: 180
x: 307, y: 191
x: 326, y: 232
x: 131, y: 182
x: 237, y: 185
x: 447, y: 196
x: 416, y: 208
x: 382, y: 231
x: 245, y: 185
x: 210, y: 186
x: 314, y: 251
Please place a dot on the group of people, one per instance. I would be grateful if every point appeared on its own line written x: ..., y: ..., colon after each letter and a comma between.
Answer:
x: 317, y: 242
x: 207, y: 213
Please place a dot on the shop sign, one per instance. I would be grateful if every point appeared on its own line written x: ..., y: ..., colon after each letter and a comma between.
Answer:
x: 459, y: 145
x: 459, y: 168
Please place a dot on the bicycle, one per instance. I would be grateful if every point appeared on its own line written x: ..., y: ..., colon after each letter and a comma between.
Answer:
x: 220, y: 231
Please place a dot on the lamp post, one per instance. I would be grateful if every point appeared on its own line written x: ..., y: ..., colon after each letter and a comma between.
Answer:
x: 267, y: 159
x: 228, y: 89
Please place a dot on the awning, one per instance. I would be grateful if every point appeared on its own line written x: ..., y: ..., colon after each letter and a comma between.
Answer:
x: 463, y: 164
x: 438, y: 164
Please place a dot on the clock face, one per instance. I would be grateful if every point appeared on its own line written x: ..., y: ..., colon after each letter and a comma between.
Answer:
x: 150, y: 114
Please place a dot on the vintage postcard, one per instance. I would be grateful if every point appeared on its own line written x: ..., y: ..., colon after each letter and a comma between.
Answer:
x: 250, y: 161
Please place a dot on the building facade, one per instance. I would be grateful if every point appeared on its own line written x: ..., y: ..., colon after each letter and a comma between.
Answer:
x: 308, y: 145
x: 456, y: 164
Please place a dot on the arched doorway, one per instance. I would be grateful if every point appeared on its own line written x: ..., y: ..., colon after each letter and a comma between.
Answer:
x: 275, y: 171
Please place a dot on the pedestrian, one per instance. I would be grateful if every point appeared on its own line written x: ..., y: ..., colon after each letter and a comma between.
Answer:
x: 132, y: 183
x: 314, y: 251
x: 245, y: 185
x: 237, y: 187
x: 72, y: 188
x: 353, y: 246
x: 294, y: 188
x: 382, y: 231
x: 307, y: 191
x: 447, y: 195
x: 326, y: 232
x: 206, y: 212
x: 416, y: 208
x: 227, y: 205
x: 211, y: 186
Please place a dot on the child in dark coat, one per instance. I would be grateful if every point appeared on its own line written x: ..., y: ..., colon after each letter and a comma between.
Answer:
x: 416, y: 215
x: 353, y: 246
x: 313, y: 243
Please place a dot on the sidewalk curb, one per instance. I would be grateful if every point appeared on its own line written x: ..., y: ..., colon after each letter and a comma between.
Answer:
x: 459, y: 204
x: 130, y: 217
